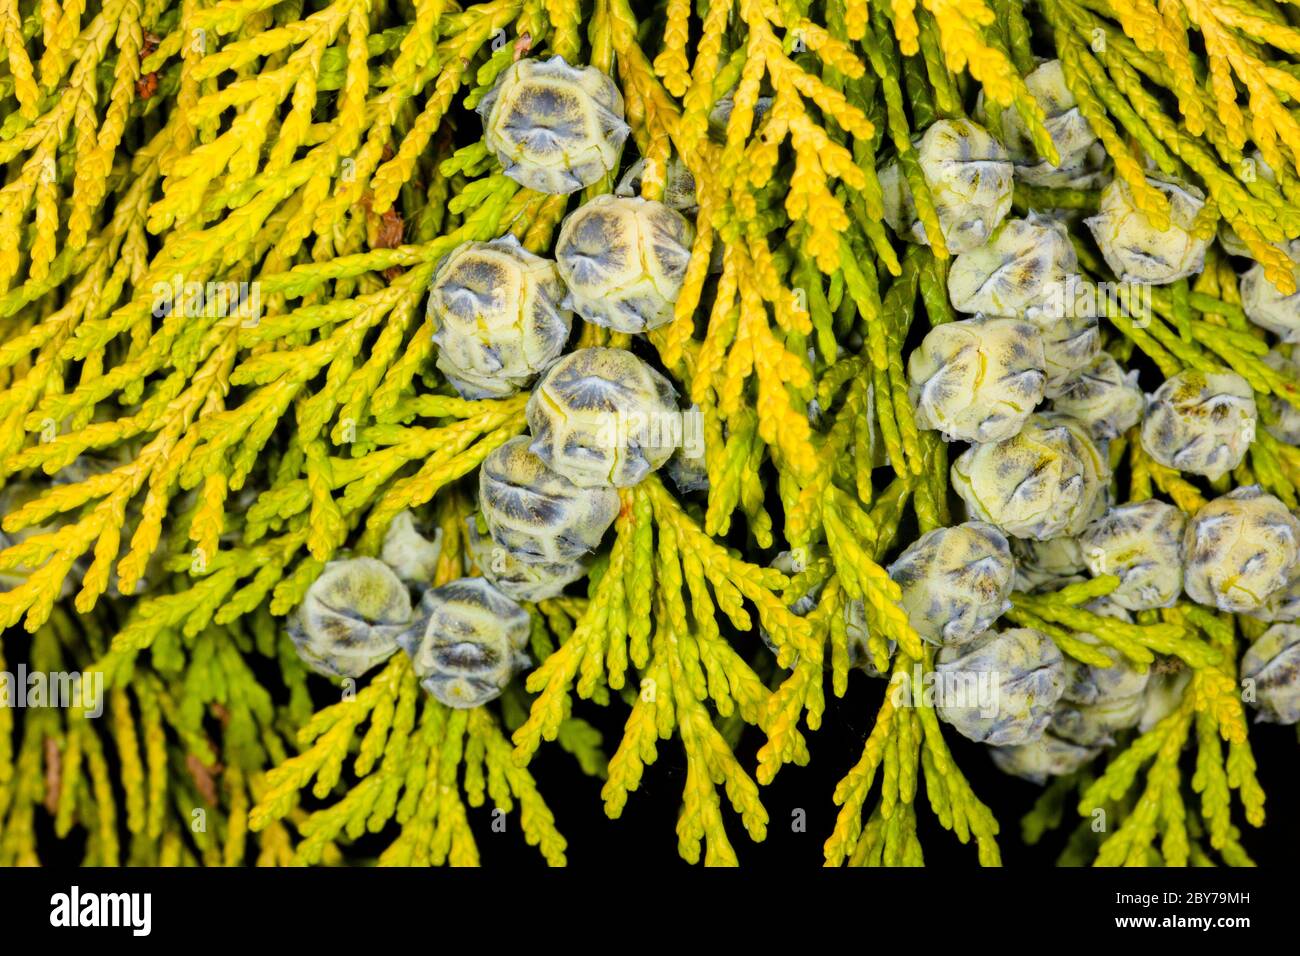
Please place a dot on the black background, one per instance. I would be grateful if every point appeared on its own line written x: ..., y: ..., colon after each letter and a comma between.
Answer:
x: 645, y: 833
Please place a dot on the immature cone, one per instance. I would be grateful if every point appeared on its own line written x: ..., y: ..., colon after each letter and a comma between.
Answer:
x: 1239, y: 549
x: 1164, y: 693
x: 1272, y: 663
x: 970, y: 180
x: 955, y: 581
x: 1049, y: 480
x: 467, y: 643
x: 679, y: 184
x: 1047, y: 564
x: 1096, y: 725
x: 792, y: 563
x: 857, y: 634
x: 688, y: 472
x: 537, y: 515
x: 1200, y: 422
x: 1094, y: 171
x: 521, y: 580
x: 499, y: 315
x: 720, y: 115
x: 1001, y: 687
x: 603, y: 417
x: 555, y: 128
x: 1138, y: 252
x: 977, y: 380
x: 1283, y: 605
x: 351, y: 617
x: 1103, y: 396
x: 1070, y: 132
x: 1283, y: 422
x: 1023, y: 269
x: 1269, y: 308
x: 1071, y: 341
x: 1231, y: 243
x: 1099, y: 702
x: 1142, y: 544
x: 408, y: 552
x: 1048, y: 756
x: 1228, y: 238
x: 623, y: 261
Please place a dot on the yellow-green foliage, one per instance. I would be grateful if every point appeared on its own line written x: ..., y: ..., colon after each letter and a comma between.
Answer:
x: 196, y: 467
